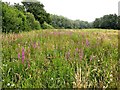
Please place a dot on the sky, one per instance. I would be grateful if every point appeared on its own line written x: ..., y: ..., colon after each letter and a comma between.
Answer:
x: 86, y: 10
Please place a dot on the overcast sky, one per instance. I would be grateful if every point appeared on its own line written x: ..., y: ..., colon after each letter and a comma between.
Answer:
x: 86, y: 10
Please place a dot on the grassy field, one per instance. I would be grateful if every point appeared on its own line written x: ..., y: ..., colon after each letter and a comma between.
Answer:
x: 60, y: 59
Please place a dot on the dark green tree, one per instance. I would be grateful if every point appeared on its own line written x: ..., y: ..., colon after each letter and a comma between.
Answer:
x: 19, y: 7
x: 37, y: 9
x: 107, y: 22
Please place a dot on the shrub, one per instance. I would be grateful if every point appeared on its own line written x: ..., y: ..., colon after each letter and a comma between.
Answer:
x: 32, y: 22
x: 47, y: 26
x: 13, y: 19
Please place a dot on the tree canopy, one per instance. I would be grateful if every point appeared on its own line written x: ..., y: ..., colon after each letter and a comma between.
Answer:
x: 110, y: 21
x: 37, y: 9
x: 63, y: 22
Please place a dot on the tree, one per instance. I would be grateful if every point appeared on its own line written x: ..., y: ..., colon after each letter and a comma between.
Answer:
x: 19, y: 7
x: 33, y: 24
x: 107, y: 22
x: 13, y: 20
x: 37, y: 9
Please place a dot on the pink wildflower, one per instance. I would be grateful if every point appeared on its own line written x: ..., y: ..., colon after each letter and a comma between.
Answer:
x: 18, y: 55
x: 23, y: 55
x: 81, y: 54
x: 68, y: 55
x: 87, y: 42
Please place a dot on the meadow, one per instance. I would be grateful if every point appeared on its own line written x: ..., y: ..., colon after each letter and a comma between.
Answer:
x: 86, y: 58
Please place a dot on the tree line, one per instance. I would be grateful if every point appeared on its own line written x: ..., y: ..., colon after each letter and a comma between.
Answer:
x: 65, y: 23
x: 32, y: 16
x: 111, y: 21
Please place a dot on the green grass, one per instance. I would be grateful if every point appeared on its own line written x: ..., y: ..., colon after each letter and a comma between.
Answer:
x: 60, y: 59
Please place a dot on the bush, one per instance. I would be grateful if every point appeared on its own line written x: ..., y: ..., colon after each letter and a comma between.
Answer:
x: 37, y: 25
x: 34, y: 24
x: 13, y: 20
x: 47, y: 26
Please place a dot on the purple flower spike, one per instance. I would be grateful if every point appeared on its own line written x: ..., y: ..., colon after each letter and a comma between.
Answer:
x: 81, y: 54
x: 76, y: 49
x: 87, y: 42
x: 23, y: 55
x: 28, y: 64
x: 34, y: 45
x: 68, y: 55
x: 18, y: 55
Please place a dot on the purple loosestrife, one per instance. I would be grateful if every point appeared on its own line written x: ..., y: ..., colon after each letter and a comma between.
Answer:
x: 34, y: 45
x: 76, y: 51
x: 54, y: 33
x: 87, y: 42
x: 18, y: 55
x: 81, y: 54
x: 67, y: 55
x: 23, y: 55
x: 28, y: 64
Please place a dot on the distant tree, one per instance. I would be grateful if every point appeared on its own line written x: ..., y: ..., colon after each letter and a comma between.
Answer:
x: 63, y: 22
x: 96, y: 23
x: 37, y: 9
x: 106, y: 22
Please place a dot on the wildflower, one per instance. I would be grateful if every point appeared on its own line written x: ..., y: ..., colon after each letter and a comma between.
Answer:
x: 34, y: 45
x: 76, y: 49
x: 28, y: 64
x: 8, y: 84
x: 18, y: 55
x: 67, y: 55
x: 13, y: 85
x: 81, y: 54
x: 104, y: 87
x: 110, y: 75
x: 87, y: 42
x: 110, y: 79
x: 23, y: 55
x: 51, y: 78
x: 18, y: 44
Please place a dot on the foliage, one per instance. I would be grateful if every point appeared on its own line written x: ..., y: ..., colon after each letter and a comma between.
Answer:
x: 37, y: 9
x: 63, y: 22
x: 14, y: 19
x: 19, y: 7
x: 47, y: 26
x: 60, y: 59
x: 107, y: 22
x: 33, y: 24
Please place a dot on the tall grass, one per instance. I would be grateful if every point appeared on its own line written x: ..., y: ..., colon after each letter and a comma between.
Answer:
x: 60, y: 59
